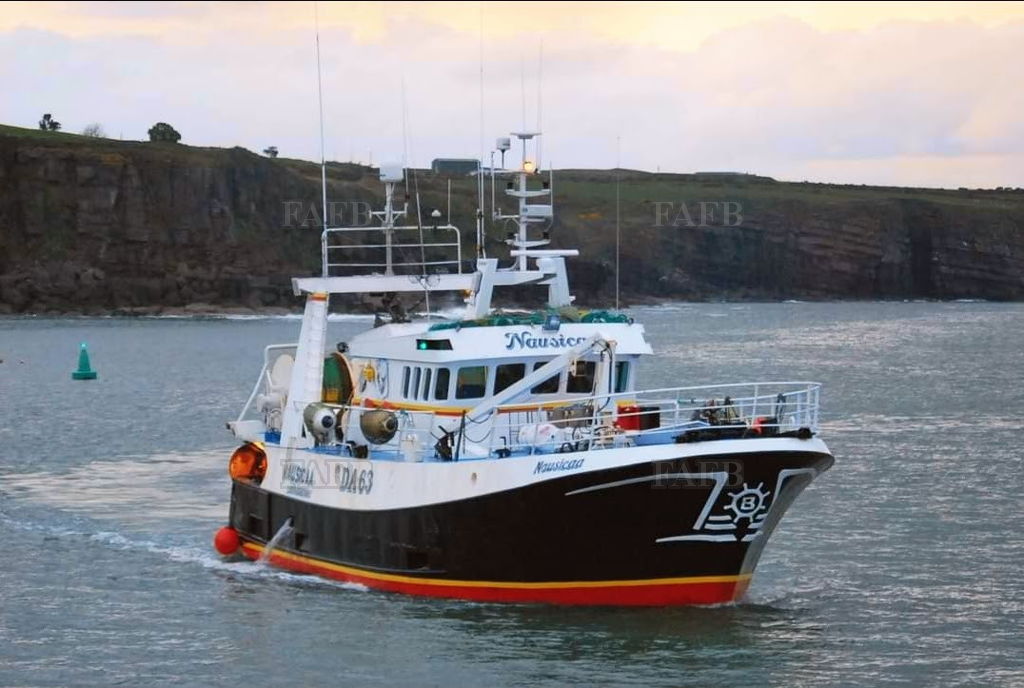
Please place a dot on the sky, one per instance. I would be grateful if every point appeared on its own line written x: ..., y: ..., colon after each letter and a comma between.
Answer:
x: 908, y: 94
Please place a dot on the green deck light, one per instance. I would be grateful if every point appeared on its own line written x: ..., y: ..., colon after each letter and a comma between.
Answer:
x: 434, y: 344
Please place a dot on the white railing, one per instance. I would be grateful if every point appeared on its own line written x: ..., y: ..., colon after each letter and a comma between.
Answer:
x: 658, y: 416
x: 672, y: 414
x: 396, y: 254
x: 270, y: 354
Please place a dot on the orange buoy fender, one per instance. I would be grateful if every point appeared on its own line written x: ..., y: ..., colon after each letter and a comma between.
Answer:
x: 248, y: 462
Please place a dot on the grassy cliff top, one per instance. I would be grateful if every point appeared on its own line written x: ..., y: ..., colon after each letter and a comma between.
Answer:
x: 581, y: 185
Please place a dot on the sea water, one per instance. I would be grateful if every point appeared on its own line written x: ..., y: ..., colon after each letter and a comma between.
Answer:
x: 900, y: 566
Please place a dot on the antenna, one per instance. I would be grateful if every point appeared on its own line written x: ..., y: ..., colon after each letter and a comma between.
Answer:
x: 494, y: 203
x: 407, y: 152
x: 423, y: 250
x: 540, y: 100
x: 406, y: 146
x: 405, y: 138
x: 480, y: 250
x: 618, y: 233
x: 522, y: 87
x: 323, y: 158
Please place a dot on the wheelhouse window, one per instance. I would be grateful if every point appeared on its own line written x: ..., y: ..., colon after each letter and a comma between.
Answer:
x: 621, y: 376
x: 583, y: 381
x: 441, y: 382
x: 416, y: 383
x: 549, y: 386
x: 405, y: 382
x: 471, y: 382
x: 507, y: 374
x: 426, y: 383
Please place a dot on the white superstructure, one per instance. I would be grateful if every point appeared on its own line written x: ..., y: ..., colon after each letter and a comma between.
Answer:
x: 492, y: 385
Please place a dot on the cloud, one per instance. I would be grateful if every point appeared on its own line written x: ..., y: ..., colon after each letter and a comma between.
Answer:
x: 884, y: 94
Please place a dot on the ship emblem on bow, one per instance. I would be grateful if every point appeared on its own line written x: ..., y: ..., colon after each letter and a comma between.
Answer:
x: 737, y: 515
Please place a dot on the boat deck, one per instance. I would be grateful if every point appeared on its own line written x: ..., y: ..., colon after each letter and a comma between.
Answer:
x: 600, y: 422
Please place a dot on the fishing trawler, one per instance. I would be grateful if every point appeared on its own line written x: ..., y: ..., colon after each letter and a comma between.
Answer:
x: 504, y: 456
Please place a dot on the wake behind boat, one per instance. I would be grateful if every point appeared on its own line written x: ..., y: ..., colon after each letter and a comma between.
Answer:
x: 504, y: 456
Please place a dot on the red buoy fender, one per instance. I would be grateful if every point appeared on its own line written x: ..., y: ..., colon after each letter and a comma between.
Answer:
x: 226, y: 541
x: 756, y: 425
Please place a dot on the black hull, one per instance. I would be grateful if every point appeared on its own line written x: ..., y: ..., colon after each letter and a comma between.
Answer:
x: 621, y: 526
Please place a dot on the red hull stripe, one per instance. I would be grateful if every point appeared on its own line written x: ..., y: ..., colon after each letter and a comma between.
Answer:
x: 654, y: 592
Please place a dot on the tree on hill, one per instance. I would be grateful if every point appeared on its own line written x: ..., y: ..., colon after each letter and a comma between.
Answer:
x: 94, y: 130
x: 162, y: 131
x: 270, y: 152
x: 48, y: 123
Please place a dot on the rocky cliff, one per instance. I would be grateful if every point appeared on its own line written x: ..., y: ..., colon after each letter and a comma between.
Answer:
x: 97, y: 225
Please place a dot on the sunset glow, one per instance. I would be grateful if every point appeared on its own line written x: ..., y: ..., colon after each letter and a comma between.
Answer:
x: 888, y: 93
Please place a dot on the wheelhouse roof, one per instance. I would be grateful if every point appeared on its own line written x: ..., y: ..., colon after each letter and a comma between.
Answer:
x: 399, y: 341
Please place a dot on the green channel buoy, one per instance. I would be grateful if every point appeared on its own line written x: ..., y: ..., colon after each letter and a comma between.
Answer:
x: 85, y: 371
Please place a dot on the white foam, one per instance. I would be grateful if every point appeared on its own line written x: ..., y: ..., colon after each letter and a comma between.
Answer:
x: 153, y: 489
x: 181, y: 554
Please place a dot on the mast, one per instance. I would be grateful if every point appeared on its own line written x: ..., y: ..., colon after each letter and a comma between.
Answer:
x: 481, y: 251
x: 323, y: 157
x: 527, y: 214
x: 392, y: 175
x: 618, y: 232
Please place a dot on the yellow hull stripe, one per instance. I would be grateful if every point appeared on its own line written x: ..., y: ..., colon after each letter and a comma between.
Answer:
x: 258, y: 548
